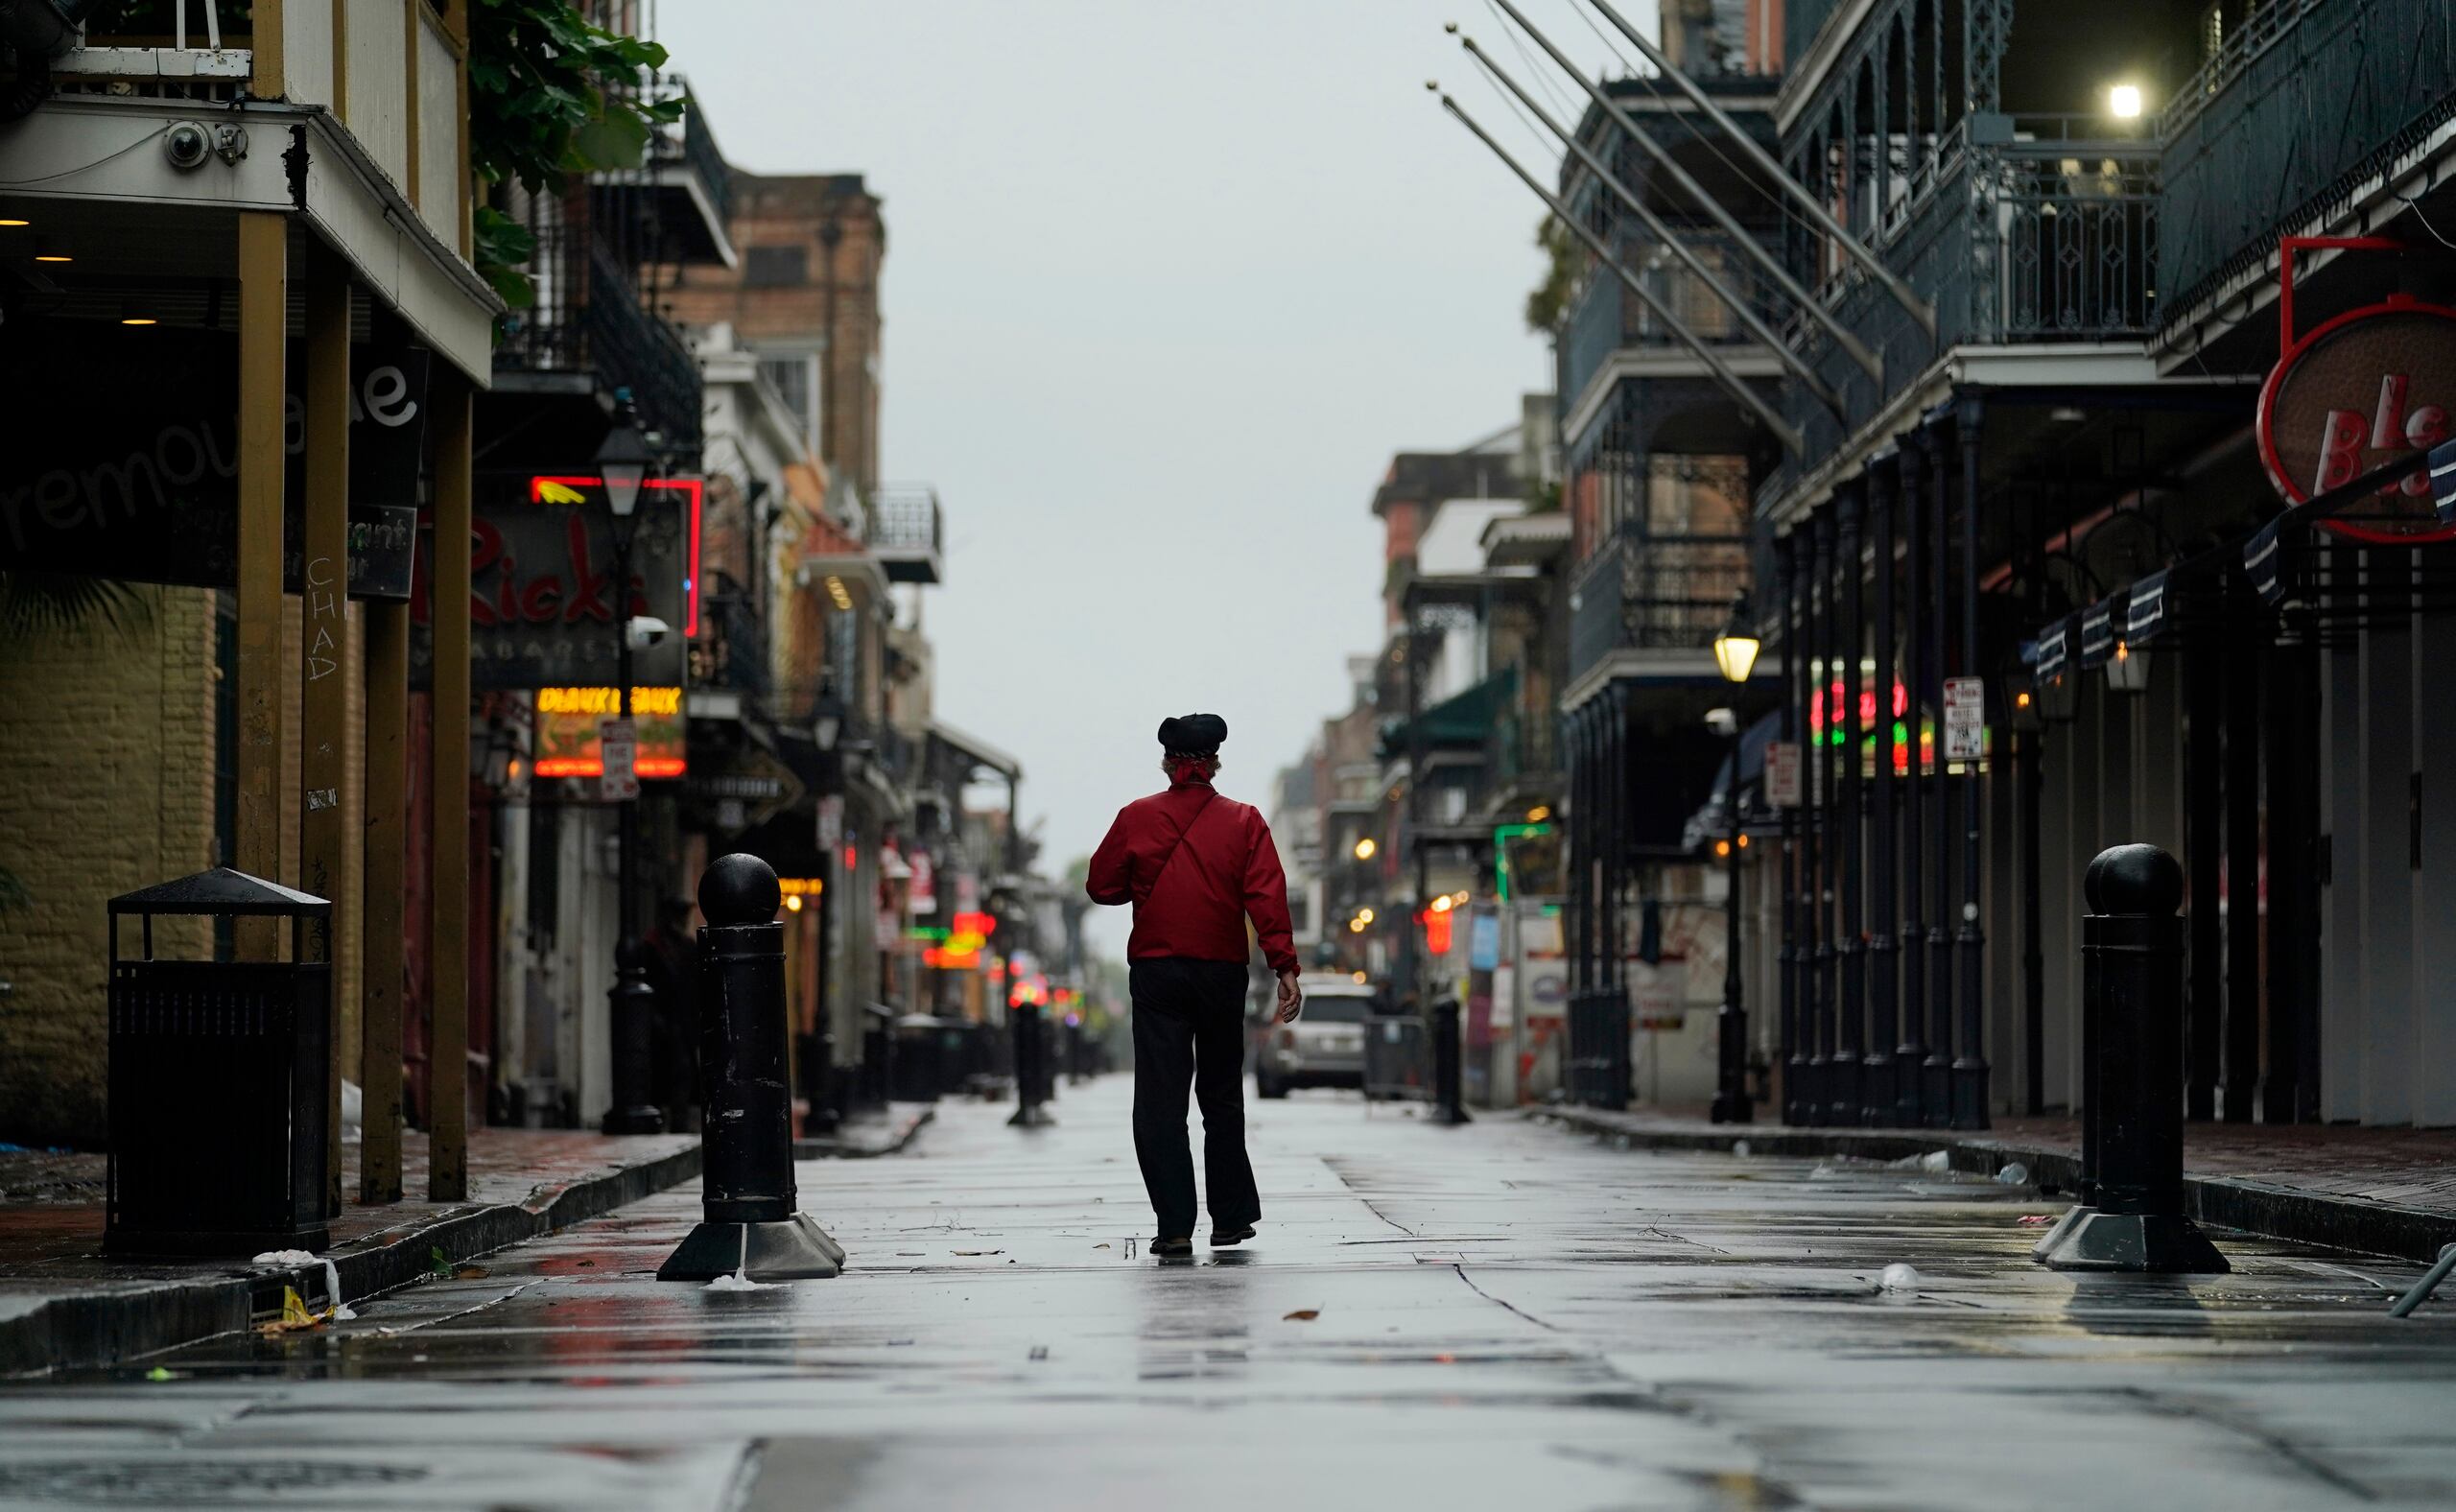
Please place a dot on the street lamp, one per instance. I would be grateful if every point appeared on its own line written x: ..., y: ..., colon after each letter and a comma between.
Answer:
x: 1735, y: 653
x: 622, y: 461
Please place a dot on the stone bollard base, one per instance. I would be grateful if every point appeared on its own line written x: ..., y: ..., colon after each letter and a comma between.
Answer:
x: 2148, y: 1244
x: 796, y: 1249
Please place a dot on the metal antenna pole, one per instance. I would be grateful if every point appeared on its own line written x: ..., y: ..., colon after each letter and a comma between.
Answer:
x: 1730, y: 382
x: 1766, y: 262
x: 1920, y: 309
x: 1748, y: 318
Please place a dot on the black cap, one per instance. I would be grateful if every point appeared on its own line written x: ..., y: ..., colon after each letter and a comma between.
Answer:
x: 1194, y: 734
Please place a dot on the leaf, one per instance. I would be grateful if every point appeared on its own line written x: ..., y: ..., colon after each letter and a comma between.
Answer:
x: 615, y: 139
x: 1301, y: 1315
x: 435, y: 1261
x: 157, y: 1373
x: 470, y: 1273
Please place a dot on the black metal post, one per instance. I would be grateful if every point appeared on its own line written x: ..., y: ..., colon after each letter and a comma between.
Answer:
x: 1820, y: 1056
x: 2203, y: 809
x: 1786, y: 573
x: 2133, y: 1216
x: 630, y: 1002
x: 2029, y: 756
x: 1732, y: 1104
x: 1615, y: 810
x: 1450, y: 1102
x: 750, y: 1224
x: 1030, y: 1052
x: 1935, y: 1091
x: 1970, y: 1073
x: 1842, y: 1094
x: 1910, y: 1057
x: 2238, y: 1070
x: 1879, y: 1088
x: 2287, y: 1094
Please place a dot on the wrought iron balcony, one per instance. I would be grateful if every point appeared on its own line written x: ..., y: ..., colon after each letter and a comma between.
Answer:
x: 1653, y: 593
x: 2306, y: 98
x: 1605, y: 317
x: 907, y: 531
x: 2021, y: 229
x: 685, y: 181
x: 589, y: 319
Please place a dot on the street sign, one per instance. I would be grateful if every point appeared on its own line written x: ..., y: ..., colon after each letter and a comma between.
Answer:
x: 618, y: 742
x: 1783, y: 774
x: 1964, y: 719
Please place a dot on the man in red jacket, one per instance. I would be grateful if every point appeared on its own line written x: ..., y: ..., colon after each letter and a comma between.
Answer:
x: 1196, y: 866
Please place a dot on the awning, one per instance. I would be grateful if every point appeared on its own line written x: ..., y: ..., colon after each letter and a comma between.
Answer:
x: 1465, y: 718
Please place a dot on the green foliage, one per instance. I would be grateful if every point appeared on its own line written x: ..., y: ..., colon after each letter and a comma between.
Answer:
x: 1547, y: 304
x: 540, y: 112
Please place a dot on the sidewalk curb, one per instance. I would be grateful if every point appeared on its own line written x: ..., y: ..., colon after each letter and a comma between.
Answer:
x: 121, y: 1322
x: 2237, y: 1202
x: 829, y: 1150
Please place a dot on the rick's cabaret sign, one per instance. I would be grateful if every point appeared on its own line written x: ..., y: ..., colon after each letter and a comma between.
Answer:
x: 2355, y: 394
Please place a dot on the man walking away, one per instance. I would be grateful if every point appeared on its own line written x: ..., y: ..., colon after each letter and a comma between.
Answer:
x: 1196, y: 866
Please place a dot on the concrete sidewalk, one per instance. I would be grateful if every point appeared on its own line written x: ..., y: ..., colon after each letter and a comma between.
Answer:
x: 2381, y: 1191
x: 63, y: 1306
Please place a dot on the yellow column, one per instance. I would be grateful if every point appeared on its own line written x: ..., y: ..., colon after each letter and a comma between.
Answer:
x: 448, y: 1156
x: 323, y: 636
x: 263, y: 291
x: 388, y: 725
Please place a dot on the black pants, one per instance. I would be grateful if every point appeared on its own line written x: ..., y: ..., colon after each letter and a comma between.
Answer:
x: 1190, y: 1026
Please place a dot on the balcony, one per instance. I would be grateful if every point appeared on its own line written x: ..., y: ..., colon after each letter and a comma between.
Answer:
x: 2306, y: 98
x: 1654, y: 593
x: 686, y: 186
x: 908, y: 533
x: 1606, y: 319
x: 2022, y: 230
x: 193, y: 49
x: 588, y: 325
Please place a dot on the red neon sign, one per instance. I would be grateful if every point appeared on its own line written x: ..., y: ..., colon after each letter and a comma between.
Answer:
x: 693, y: 493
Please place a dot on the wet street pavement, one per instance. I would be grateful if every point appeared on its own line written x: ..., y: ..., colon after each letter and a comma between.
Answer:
x: 1499, y: 1316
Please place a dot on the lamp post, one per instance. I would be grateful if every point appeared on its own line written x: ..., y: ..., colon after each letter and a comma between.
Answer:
x: 622, y: 467
x: 1735, y: 655
x: 819, y: 1057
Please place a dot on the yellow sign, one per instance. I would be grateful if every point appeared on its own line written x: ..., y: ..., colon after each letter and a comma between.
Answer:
x: 567, y: 731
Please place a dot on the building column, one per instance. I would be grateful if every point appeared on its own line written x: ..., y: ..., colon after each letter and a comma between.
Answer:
x: 2385, y: 718
x: 323, y: 636
x: 2434, y: 897
x: 1844, y: 1104
x: 1910, y: 1055
x: 2292, y: 730
x: 264, y: 296
x: 2205, y: 701
x: 385, y: 921
x: 1879, y: 1089
x: 1820, y: 1055
x: 448, y: 928
x: 1787, y: 1042
x: 2344, y: 1011
x: 1935, y: 1099
x: 2239, y: 1046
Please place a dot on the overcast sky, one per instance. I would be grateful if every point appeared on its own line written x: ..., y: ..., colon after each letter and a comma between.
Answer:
x: 1167, y: 283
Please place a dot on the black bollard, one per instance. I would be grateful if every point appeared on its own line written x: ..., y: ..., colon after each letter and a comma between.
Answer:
x: 1449, y: 1105
x: 749, y: 1224
x: 1031, y: 1063
x: 2131, y: 1215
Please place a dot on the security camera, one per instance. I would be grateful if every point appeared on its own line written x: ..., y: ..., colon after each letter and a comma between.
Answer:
x: 646, y: 630
x: 1722, y: 722
x: 187, y: 145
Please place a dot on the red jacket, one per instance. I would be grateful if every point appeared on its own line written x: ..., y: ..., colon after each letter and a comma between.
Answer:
x: 1194, y: 903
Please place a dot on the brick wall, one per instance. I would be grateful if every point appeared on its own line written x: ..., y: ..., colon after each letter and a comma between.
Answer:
x: 106, y: 758
x: 828, y: 298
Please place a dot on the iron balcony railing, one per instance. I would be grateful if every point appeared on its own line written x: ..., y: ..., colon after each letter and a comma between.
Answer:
x: 2301, y: 103
x: 1605, y: 316
x: 588, y: 318
x: 1654, y: 593
x: 692, y: 145
x: 907, y: 531
x: 2024, y: 230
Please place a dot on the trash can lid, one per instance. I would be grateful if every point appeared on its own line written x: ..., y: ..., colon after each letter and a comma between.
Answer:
x: 224, y: 889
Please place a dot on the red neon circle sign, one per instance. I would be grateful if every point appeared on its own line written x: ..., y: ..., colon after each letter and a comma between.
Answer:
x: 2353, y: 392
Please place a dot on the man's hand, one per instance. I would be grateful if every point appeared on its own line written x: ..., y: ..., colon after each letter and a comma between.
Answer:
x: 1291, y: 998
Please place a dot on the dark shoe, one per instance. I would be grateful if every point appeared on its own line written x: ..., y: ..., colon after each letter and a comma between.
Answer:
x: 1221, y: 1238
x: 1171, y: 1248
